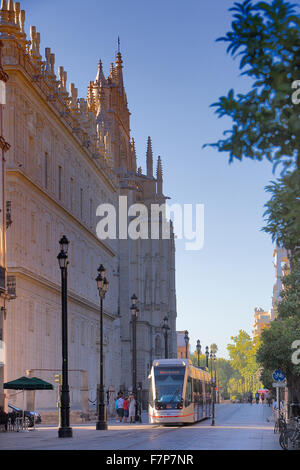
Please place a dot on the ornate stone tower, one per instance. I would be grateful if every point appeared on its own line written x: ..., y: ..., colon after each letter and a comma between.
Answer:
x: 146, y: 267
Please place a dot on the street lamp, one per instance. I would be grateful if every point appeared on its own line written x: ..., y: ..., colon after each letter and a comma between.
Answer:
x: 211, y: 356
x: 134, y: 314
x: 207, y: 355
x: 186, y: 339
x: 213, y: 382
x: 198, y: 347
x: 102, y: 286
x: 165, y: 329
x: 64, y: 430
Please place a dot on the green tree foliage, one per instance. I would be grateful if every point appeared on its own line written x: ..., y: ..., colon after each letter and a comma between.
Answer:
x: 283, y: 211
x: 266, y: 123
x: 242, y: 353
x: 275, y: 351
x: 289, y: 304
x: 276, y: 341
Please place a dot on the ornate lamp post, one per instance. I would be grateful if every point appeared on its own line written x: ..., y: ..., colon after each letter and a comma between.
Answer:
x: 102, y: 286
x: 165, y: 329
x: 64, y: 430
x: 198, y: 347
x: 211, y: 356
x: 186, y: 339
x: 213, y: 381
x: 207, y: 355
x: 134, y: 314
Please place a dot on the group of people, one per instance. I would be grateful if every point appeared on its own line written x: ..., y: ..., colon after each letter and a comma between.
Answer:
x: 260, y: 397
x: 126, y: 407
x: 5, y: 418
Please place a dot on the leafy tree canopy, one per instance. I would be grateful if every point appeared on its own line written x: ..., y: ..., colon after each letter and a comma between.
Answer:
x: 266, y: 123
x: 283, y: 211
x: 275, y: 351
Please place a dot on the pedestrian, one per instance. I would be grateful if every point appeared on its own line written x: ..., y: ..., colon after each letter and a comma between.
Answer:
x: 262, y: 398
x: 269, y: 398
x: 126, y: 408
x: 257, y: 398
x: 3, y: 418
x: 250, y: 398
x: 119, y: 407
x: 132, y: 406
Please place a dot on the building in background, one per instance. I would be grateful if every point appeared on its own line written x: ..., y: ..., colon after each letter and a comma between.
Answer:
x: 68, y: 156
x: 262, y: 319
x: 281, y: 265
x: 181, y: 346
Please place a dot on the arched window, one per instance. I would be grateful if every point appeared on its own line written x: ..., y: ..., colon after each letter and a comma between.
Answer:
x: 157, y: 347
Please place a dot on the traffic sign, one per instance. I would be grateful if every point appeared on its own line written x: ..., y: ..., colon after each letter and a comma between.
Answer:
x: 278, y: 375
x: 279, y: 384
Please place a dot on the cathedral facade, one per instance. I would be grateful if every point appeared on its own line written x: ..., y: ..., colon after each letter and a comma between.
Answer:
x: 67, y: 156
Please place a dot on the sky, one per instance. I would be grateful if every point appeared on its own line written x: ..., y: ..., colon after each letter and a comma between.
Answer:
x: 173, y: 71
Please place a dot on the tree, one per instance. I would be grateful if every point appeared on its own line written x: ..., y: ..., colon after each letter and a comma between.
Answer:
x: 283, y: 211
x: 289, y: 304
x: 266, y: 123
x: 243, y: 360
x: 275, y: 351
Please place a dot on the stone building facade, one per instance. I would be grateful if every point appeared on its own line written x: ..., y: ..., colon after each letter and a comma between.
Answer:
x: 4, y: 297
x: 67, y: 157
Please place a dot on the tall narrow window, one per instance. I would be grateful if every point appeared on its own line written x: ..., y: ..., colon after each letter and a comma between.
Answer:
x: 60, y: 183
x: 46, y: 175
x: 81, y: 203
x: 71, y: 193
x: 47, y: 236
x: 33, y: 227
x: 91, y: 212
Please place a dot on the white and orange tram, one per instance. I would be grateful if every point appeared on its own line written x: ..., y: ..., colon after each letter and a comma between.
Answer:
x: 178, y: 392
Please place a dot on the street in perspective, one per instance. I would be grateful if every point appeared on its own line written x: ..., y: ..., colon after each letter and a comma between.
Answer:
x: 149, y: 228
x: 239, y: 426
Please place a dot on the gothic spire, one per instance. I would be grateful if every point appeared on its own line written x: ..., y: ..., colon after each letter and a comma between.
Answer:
x: 159, y: 176
x: 119, y: 67
x: 133, y: 153
x: 100, y: 78
x: 149, y: 155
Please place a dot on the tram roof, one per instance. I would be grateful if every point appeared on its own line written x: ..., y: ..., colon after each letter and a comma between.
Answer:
x: 196, y: 371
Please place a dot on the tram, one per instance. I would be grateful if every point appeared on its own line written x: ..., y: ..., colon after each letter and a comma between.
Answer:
x: 178, y: 392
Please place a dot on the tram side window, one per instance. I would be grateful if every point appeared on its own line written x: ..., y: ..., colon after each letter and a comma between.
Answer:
x: 189, y: 391
x: 196, y: 388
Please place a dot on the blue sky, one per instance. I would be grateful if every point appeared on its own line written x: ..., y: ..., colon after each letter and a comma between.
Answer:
x: 173, y: 71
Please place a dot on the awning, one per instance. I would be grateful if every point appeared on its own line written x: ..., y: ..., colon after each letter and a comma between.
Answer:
x: 28, y: 383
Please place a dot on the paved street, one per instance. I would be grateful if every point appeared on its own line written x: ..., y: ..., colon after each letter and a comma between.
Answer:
x: 238, y: 426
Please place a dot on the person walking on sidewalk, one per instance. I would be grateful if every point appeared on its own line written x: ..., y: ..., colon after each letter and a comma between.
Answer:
x: 119, y: 407
x: 257, y: 398
x: 126, y: 408
x: 132, y: 406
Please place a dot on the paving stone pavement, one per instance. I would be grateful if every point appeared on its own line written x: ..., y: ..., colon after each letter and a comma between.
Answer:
x: 238, y: 427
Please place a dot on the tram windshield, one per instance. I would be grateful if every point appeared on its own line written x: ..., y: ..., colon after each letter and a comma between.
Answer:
x: 169, y: 384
